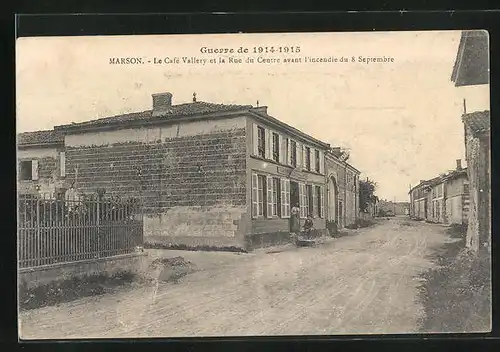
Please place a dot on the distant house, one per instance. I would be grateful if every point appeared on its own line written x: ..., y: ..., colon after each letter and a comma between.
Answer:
x: 471, y: 69
x: 206, y: 174
x: 443, y: 199
x: 41, y: 163
x: 396, y: 208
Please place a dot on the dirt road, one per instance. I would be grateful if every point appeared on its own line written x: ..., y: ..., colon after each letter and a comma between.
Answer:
x: 362, y: 283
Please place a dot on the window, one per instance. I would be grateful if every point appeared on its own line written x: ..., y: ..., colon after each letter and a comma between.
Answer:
x: 310, y: 200
x: 317, y: 163
x: 285, y: 198
x: 260, y: 195
x: 303, y: 205
x: 276, y: 147
x: 28, y: 170
x: 285, y: 156
x: 25, y: 170
x: 308, y: 159
x: 293, y: 153
x: 318, y: 201
x: 261, y: 142
x: 276, y: 197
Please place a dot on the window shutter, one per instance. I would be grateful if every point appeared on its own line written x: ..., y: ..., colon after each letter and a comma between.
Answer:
x: 321, y: 162
x: 268, y: 140
x: 255, y: 139
x: 303, y: 157
x: 315, y: 201
x: 302, y: 203
x: 313, y: 159
x: 269, y: 197
x: 62, y: 160
x: 34, y: 170
x: 283, y: 197
x: 289, y: 153
x: 255, y: 195
x: 298, y: 152
x: 287, y: 197
x: 322, y: 195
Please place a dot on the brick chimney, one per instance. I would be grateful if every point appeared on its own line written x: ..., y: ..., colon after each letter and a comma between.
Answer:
x: 162, y: 103
x: 459, y: 164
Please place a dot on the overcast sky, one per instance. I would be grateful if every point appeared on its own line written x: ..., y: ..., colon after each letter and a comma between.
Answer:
x: 401, y: 120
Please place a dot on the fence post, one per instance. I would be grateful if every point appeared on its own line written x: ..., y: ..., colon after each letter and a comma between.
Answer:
x: 38, y: 247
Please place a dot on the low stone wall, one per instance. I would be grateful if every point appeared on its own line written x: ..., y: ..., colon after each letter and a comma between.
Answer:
x: 46, y: 274
x: 261, y: 240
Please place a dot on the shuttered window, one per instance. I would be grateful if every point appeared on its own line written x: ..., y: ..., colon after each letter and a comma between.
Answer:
x: 255, y: 139
x: 303, y: 206
x: 276, y: 147
x: 322, y: 202
x: 285, y: 198
x: 34, y: 170
x: 270, y: 198
x: 317, y: 163
x: 321, y: 162
x: 293, y: 153
x: 255, y: 196
x: 62, y: 161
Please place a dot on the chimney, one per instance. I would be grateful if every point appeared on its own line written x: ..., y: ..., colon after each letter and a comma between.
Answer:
x: 162, y: 103
x: 459, y: 164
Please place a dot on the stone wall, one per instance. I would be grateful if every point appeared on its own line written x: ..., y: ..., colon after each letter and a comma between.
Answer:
x: 191, y: 185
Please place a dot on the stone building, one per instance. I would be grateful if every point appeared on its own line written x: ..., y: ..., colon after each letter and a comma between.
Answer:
x: 443, y: 199
x: 205, y: 174
x: 343, y: 189
x: 471, y: 70
x: 41, y: 163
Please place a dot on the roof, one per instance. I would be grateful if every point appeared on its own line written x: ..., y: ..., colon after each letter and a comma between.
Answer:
x: 40, y: 137
x: 174, y: 112
x: 478, y: 122
x: 440, y: 179
x: 472, y: 61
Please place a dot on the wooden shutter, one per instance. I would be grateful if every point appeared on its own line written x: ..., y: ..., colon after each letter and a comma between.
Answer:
x: 322, y: 195
x: 303, y: 157
x: 287, y: 198
x: 315, y: 201
x: 313, y: 159
x: 255, y: 140
x: 62, y: 161
x: 321, y: 162
x: 270, y: 200
x: 302, y: 199
x: 289, y: 152
x: 34, y: 170
x: 268, y: 139
x: 298, y: 152
x: 255, y: 196
x: 283, y: 197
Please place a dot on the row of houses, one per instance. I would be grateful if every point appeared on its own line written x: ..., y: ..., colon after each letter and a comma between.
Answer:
x: 443, y: 199
x: 205, y: 173
x: 464, y: 196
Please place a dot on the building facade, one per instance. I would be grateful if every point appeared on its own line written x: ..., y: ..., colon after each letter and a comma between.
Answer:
x: 205, y: 174
x: 41, y: 164
x: 342, y: 189
x: 443, y: 199
x: 471, y: 70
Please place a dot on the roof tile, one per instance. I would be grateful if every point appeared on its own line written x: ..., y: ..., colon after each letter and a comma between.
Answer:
x: 40, y: 137
x: 478, y: 121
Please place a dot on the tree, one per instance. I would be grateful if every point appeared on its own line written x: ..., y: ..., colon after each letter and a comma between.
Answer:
x: 366, y: 193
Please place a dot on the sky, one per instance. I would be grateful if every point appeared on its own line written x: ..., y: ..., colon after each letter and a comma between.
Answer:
x: 401, y: 121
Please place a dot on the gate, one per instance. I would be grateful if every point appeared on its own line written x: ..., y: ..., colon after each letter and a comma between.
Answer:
x: 56, y: 231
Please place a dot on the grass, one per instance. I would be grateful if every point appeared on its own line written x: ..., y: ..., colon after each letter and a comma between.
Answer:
x: 457, y: 295
x: 183, y: 247
x: 71, y: 289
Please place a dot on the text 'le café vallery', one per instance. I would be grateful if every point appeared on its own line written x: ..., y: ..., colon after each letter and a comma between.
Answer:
x: 224, y: 59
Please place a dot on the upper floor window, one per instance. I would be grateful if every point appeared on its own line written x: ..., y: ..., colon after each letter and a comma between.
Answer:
x: 261, y: 142
x: 276, y: 147
x: 308, y: 158
x: 317, y: 163
x: 293, y: 152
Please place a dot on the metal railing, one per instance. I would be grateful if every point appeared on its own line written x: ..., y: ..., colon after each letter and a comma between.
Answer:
x: 55, y: 230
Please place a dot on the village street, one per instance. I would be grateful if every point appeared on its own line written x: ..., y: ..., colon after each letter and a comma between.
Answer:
x: 364, y: 282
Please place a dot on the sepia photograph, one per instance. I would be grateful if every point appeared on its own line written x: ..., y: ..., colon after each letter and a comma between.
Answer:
x: 271, y: 184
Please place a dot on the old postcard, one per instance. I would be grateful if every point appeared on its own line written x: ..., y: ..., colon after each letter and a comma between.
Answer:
x: 253, y: 184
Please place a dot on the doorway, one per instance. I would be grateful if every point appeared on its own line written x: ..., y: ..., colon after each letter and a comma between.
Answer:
x: 333, y: 200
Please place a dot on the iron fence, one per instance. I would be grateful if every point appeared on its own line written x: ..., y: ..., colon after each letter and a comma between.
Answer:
x: 55, y: 230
